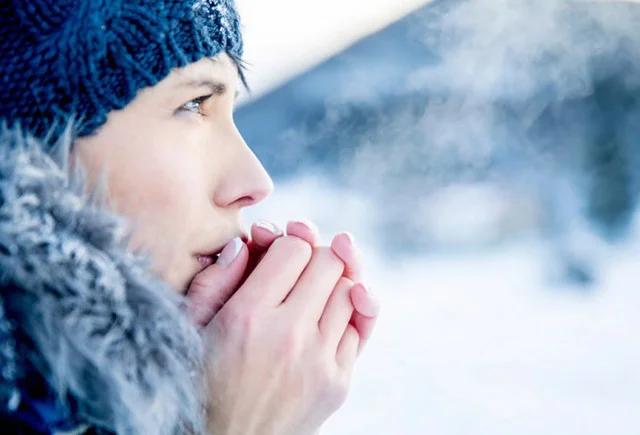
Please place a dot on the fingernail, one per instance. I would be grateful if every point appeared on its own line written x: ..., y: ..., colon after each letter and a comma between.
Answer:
x: 352, y: 240
x: 368, y: 290
x: 229, y: 253
x: 310, y: 225
x: 273, y: 229
x: 374, y: 309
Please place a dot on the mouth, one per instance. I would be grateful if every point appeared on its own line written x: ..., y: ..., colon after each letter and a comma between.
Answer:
x: 210, y: 258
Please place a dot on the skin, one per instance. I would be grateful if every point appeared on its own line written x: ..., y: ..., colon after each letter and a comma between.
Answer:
x: 178, y: 169
x: 285, y: 318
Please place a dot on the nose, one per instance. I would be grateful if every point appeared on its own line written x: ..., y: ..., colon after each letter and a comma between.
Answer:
x: 246, y: 182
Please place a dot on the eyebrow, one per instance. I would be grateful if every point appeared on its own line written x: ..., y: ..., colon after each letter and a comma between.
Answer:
x: 217, y: 88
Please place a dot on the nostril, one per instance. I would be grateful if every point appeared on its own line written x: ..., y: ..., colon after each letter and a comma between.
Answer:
x: 246, y: 184
x: 247, y: 201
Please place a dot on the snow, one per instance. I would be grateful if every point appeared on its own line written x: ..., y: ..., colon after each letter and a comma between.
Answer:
x: 480, y: 342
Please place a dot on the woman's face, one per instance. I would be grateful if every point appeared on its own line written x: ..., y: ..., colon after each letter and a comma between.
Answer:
x: 176, y: 165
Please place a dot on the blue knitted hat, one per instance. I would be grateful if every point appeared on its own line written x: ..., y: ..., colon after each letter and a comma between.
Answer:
x: 81, y: 59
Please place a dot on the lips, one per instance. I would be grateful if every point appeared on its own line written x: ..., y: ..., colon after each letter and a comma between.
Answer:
x: 206, y: 260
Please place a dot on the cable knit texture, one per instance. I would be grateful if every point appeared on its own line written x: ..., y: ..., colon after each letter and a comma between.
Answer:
x: 80, y: 316
x: 81, y: 59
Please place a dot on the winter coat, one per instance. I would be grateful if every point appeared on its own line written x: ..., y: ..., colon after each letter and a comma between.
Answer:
x: 90, y: 342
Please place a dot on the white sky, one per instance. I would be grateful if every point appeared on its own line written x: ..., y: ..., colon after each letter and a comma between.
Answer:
x: 286, y: 37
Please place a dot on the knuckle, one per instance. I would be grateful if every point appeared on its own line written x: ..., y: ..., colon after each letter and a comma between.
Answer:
x: 323, y: 375
x: 333, y: 387
x: 345, y: 284
x: 238, y: 318
x: 339, y: 393
x: 326, y: 375
x: 327, y: 256
x: 292, y: 343
x: 201, y: 287
x: 294, y: 246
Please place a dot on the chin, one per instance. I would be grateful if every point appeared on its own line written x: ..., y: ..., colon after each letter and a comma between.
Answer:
x: 185, y: 280
x: 180, y: 282
x: 184, y: 284
x: 180, y: 278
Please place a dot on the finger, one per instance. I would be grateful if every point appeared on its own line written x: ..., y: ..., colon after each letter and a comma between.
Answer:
x: 256, y: 254
x: 337, y: 313
x: 276, y: 274
x: 364, y: 302
x: 306, y: 230
x: 211, y: 288
x: 348, y: 349
x: 264, y: 233
x: 344, y: 246
x: 365, y: 326
x: 365, y: 316
x: 309, y: 296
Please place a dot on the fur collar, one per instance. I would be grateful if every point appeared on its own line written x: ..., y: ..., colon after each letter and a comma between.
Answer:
x: 79, y: 311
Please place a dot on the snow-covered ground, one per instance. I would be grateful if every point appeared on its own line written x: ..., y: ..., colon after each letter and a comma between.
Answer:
x: 481, y: 343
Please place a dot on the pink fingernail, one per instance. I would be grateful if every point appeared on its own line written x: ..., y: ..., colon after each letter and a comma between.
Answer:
x: 229, y: 253
x: 375, y: 308
x: 272, y: 228
x: 352, y: 240
x: 310, y: 225
x: 368, y: 290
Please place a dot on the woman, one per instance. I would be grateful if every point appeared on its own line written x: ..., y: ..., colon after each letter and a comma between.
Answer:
x: 118, y: 144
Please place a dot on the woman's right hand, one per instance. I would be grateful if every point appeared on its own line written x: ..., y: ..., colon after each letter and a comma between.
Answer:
x: 281, y: 349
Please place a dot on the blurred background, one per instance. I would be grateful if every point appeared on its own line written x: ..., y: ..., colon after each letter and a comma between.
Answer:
x: 486, y: 156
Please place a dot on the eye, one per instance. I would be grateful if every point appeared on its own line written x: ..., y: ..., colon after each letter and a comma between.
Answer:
x: 194, y: 106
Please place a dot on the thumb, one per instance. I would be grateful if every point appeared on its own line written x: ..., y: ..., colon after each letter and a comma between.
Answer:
x: 211, y: 288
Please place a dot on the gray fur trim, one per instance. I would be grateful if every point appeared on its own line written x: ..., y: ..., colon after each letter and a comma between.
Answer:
x: 82, y: 310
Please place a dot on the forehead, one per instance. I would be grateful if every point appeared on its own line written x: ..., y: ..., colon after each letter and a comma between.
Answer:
x: 219, y: 67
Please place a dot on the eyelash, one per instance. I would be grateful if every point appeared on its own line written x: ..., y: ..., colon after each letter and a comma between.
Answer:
x: 198, y: 101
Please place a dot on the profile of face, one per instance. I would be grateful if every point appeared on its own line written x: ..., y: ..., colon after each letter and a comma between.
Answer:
x: 176, y: 166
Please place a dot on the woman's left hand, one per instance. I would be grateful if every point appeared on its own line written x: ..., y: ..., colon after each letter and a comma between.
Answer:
x: 366, y: 307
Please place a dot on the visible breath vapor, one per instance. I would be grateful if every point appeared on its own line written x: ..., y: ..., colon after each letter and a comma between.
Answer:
x: 539, y: 101
x: 513, y: 49
x: 538, y: 96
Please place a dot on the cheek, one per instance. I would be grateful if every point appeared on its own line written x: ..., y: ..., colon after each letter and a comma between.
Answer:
x: 156, y: 199
x: 161, y: 187
x: 165, y: 207
x: 163, y: 181
x: 162, y: 196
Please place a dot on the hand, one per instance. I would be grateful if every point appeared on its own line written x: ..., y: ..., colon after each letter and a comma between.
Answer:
x: 228, y: 278
x: 281, y: 350
x: 212, y: 288
x: 366, y: 306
